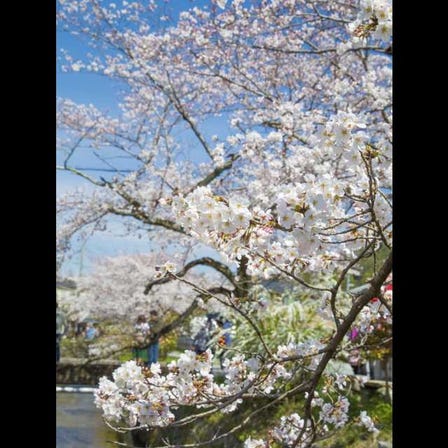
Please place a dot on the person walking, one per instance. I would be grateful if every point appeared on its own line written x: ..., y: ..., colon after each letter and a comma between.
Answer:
x: 141, y: 332
x: 153, y: 348
x: 225, y: 338
x: 203, y: 338
x: 91, y: 331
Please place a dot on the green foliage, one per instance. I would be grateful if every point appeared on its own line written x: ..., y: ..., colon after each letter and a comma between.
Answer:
x: 369, y: 265
x: 74, y: 347
x: 288, y: 317
x: 125, y: 356
x: 168, y: 344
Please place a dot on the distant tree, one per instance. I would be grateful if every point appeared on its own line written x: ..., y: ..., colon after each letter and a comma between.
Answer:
x: 114, y: 293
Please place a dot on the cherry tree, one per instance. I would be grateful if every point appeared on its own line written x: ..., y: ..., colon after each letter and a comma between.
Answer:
x: 258, y: 133
x: 114, y: 292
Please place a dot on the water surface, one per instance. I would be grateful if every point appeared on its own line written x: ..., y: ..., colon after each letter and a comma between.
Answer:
x: 79, y: 423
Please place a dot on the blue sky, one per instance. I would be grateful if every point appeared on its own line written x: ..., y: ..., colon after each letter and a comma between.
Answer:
x: 103, y: 93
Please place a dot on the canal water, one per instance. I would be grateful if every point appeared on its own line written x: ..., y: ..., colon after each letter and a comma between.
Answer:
x: 79, y: 423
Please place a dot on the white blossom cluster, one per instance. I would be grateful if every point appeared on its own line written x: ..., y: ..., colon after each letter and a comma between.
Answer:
x: 204, y: 213
x: 299, y: 161
x: 140, y: 396
x: 377, y: 14
x: 367, y: 422
x: 365, y: 318
x: 335, y: 413
x: 132, y: 398
x: 332, y: 414
x: 289, y: 430
x: 374, y: 311
x: 104, y: 349
x: 196, y: 323
x: 255, y: 443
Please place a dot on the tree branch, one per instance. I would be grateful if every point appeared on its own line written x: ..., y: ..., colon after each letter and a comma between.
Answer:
x: 204, y: 261
x: 374, y: 290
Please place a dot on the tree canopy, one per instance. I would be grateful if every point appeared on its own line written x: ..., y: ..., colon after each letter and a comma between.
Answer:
x: 257, y: 137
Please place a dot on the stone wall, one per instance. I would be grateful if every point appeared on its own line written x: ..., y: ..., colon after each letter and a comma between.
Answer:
x: 80, y: 371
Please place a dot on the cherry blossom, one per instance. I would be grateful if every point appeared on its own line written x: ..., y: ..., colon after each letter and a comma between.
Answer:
x: 258, y: 141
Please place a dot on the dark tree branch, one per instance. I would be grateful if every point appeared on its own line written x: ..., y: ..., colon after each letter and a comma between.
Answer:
x: 204, y: 261
x: 373, y: 291
x: 215, y: 173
